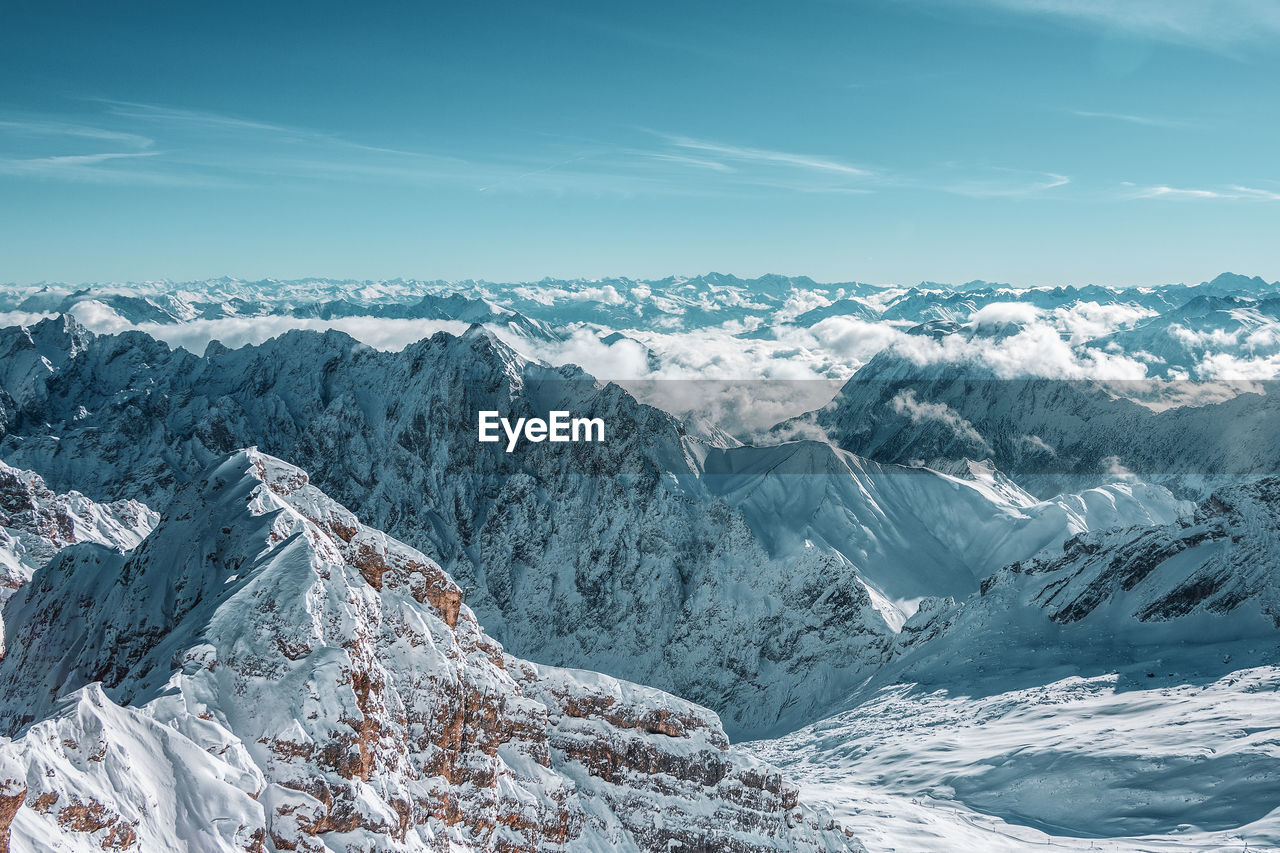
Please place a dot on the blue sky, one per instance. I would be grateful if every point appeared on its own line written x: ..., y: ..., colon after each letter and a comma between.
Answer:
x: 1029, y: 141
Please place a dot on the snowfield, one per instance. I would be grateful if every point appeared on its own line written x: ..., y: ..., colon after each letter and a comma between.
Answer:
x: 1113, y: 762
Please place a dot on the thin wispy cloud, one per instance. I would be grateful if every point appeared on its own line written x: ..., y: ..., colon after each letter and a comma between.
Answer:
x: 201, y: 148
x: 683, y: 160
x: 1232, y: 192
x: 164, y: 115
x: 808, y: 173
x: 1129, y: 118
x: 91, y: 159
x: 1020, y: 184
x: 1254, y: 192
x: 1175, y: 193
x: 1215, y: 25
x: 535, y: 172
x: 46, y: 128
x: 186, y: 147
x: 979, y: 181
x: 763, y: 155
x: 73, y: 166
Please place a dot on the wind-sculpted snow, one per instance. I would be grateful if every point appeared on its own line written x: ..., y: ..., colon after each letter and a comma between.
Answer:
x: 764, y: 582
x: 265, y: 672
x: 1110, y: 762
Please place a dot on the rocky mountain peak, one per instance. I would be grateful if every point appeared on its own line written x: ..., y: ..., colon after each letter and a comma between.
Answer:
x: 272, y: 674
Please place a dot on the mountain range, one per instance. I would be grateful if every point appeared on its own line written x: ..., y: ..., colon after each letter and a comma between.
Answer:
x: 1015, y: 583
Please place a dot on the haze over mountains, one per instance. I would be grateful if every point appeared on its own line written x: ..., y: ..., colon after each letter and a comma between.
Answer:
x: 897, y: 531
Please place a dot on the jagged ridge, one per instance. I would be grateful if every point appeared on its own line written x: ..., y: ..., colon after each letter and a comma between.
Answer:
x: 266, y: 673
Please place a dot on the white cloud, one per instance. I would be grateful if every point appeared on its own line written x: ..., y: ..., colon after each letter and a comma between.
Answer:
x: 1117, y: 471
x: 1038, y: 350
x: 1233, y: 191
x: 606, y: 294
x: 764, y: 155
x: 923, y: 411
x: 1193, y: 339
x: 1227, y: 366
x: 800, y: 301
x: 1002, y: 313
x: 848, y: 340
x: 623, y: 360
x: 1129, y: 118
x: 22, y: 318
x: 1084, y: 321
x: 1035, y: 442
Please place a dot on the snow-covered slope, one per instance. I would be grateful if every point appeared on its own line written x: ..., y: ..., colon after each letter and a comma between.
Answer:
x: 266, y: 673
x: 1125, y: 596
x: 1121, y: 695
x: 1103, y: 763
x: 910, y: 533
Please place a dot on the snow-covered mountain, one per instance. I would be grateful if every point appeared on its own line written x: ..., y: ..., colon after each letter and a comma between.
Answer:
x: 266, y: 673
x: 1202, y: 338
x: 1050, y: 433
x: 721, y: 327
x: 35, y: 524
x: 1120, y: 695
x: 961, y: 596
x: 764, y: 582
x: 691, y: 301
x: 1211, y: 578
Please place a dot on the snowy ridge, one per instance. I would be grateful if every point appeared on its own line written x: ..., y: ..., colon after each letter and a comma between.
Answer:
x: 1106, y: 680
x: 266, y: 673
x: 1053, y: 435
x: 765, y: 582
x: 35, y: 524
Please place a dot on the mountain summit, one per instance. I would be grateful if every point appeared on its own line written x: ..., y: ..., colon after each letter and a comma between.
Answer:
x: 266, y: 673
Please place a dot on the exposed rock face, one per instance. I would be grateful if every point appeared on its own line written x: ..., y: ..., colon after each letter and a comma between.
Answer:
x: 1215, y: 562
x: 35, y: 524
x: 264, y: 672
